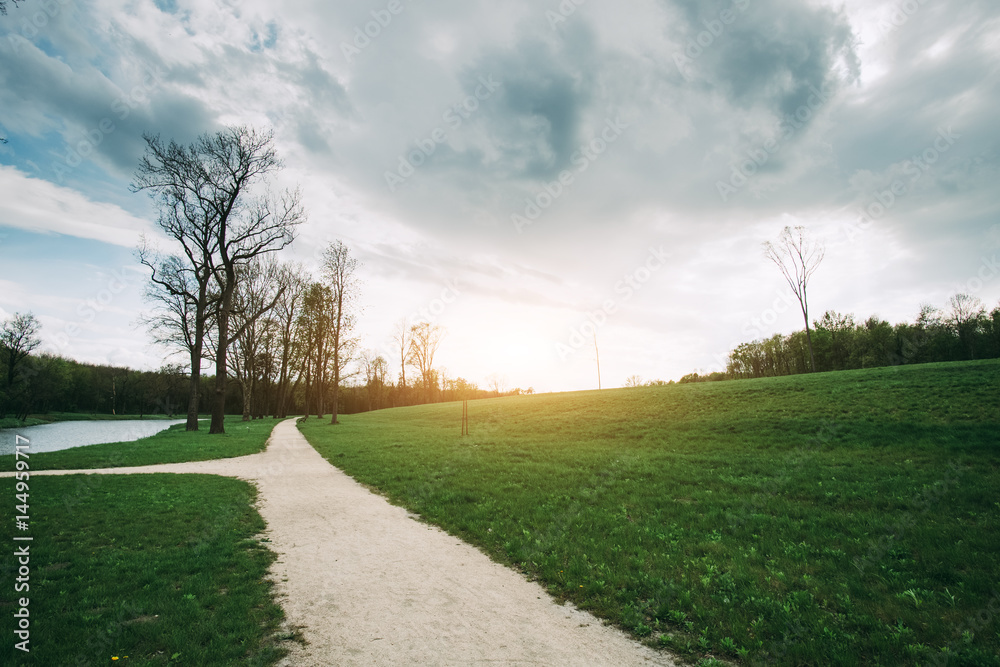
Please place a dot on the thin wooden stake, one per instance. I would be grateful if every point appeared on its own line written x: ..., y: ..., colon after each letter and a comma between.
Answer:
x: 598, y: 354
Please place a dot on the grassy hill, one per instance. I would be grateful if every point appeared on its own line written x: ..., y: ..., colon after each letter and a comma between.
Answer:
x: 836, y: 518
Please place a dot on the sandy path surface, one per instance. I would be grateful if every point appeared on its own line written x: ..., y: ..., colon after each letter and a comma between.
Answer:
x: 369, y: 585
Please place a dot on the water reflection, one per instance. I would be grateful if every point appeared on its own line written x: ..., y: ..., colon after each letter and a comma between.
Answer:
x: 64, y: 435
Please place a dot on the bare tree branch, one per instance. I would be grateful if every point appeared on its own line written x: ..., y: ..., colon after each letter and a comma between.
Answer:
x: 798, y: 258
x: 208, y: 206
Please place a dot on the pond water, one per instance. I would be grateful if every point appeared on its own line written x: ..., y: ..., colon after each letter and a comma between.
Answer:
x: 64, y: 435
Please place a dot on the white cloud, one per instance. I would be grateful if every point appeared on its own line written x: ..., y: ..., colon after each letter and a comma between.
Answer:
x: 37, y: 205
x: 341, y: 125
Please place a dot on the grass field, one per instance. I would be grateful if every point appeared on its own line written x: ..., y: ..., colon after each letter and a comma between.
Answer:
x: 173, y: 445
x: 163, y: 569
x: 830, y: 519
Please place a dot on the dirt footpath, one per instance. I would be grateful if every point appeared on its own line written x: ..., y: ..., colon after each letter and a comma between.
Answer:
x: 369, y: 585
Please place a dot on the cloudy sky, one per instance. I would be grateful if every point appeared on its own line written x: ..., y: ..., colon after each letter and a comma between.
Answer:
x: 522, y: 173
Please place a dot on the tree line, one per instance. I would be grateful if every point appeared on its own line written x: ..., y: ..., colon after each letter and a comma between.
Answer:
x: 36, y: 383
x: 836, y: 342
x: 284, y: 336
x: 963, y: 331
x: 280, y: 339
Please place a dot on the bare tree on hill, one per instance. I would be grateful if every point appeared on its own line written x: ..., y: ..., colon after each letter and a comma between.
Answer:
x: 797, y: 257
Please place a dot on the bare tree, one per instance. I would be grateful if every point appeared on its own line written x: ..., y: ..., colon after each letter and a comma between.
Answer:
x: 181, y: 313
x: 497, y: 383
x: 425, y: 338
x: 375, y: 368
x: 340, y: 274
x: 402, y: 337
x: 966, y: 312
x: 633, y: 381
x: 380, y: 373
x: 3, y: 8
x: 207, y: 205
x: 798, y: 258
x: 260, y: 286
x: 285, y: 351
x: 312, y: 329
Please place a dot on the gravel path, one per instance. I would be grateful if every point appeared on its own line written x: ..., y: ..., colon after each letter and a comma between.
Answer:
x: 369, y: 585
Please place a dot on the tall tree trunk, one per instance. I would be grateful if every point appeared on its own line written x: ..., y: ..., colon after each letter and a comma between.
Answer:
x: 307, y: 408
x: 322, y: 382
x: 809, y: 340
x: 336, y: 354
x: 291, y: 397
x: 247, y: 387
x: 219, y: 406
x: 335, y: 400
x: 282, y: 385
x: 196, y: 354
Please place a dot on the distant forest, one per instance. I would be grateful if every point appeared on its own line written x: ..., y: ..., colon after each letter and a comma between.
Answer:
x: 963, y: 332
x: 46, y: 383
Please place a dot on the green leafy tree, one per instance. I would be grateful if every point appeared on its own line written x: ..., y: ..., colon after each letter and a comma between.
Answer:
x: 19, y: 337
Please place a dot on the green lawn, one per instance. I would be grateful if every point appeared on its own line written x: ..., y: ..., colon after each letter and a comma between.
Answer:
x: 174, y: 445
x: 163, y: 569
x: 830, y: 519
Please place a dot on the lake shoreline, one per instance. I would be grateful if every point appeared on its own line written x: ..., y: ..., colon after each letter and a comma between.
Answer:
x: 57, y: 436
x: 8, y: 423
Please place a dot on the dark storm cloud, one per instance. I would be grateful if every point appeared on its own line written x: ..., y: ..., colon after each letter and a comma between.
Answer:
x: 308, y: 74
x: 94, y: 115
x: 342, y: 124
x: 769, y: 53
x: 534, y: 124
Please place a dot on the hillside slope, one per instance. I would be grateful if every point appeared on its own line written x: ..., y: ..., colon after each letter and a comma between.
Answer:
x: 834, y: 518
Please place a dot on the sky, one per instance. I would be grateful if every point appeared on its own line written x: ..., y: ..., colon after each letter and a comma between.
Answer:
x: 527, y: 175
